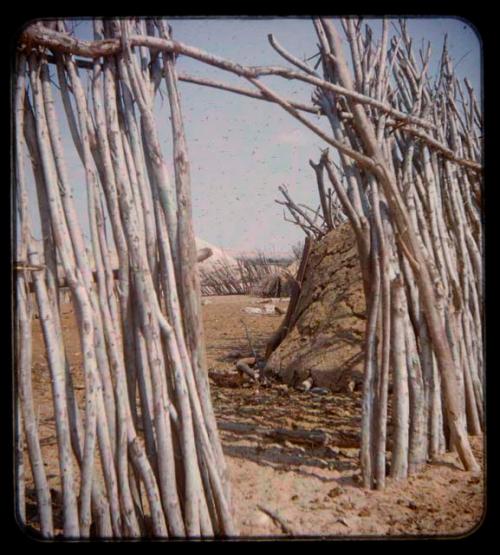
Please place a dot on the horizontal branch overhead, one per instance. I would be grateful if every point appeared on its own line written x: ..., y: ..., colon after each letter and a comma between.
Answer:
x: 61, y: 42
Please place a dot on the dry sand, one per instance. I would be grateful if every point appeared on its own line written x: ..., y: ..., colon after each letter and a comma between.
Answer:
x: 312, y: 490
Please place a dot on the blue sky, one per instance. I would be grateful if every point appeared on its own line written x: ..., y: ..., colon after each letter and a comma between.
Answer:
x: 242, y: 149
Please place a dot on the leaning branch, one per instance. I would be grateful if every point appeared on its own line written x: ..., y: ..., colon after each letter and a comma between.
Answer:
x: 243, y: 91
x: 61, y: 42
x: 363, y: 161
x: 185, y: 77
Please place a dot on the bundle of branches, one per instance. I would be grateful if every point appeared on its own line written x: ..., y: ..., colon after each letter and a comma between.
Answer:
x: 243, y: 278
x: 260, y: 275
x: 411, y: 189
x: 412, y: 196
x: 222, y: 278
x: 141, y: 336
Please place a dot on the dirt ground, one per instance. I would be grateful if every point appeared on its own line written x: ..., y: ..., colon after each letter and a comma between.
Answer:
x: 312, y: 489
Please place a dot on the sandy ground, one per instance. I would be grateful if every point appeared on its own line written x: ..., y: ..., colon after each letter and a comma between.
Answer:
x: 311, y: 489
